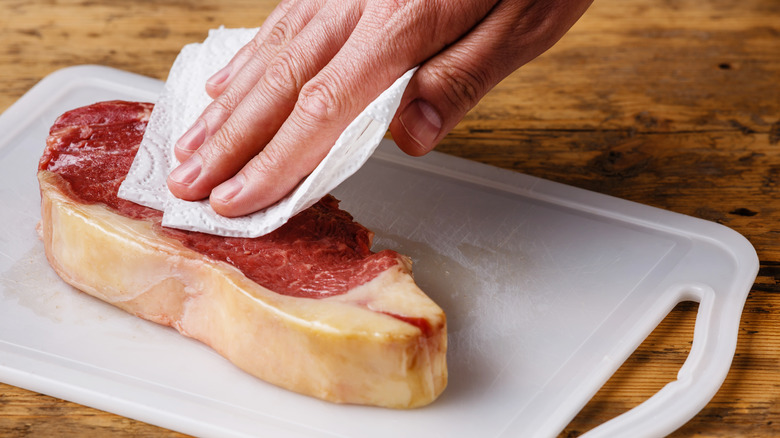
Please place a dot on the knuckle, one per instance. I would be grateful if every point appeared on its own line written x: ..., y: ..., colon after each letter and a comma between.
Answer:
x: 320, y: 100
x: 233, y: 138
x: 462, y: 87
x: 252, y: 46
x: 227, y: 145
x: 268, y: 162
x: 224, y: 105
x: 216, y: 149
x: 391, y: 6
x: 391, y: 15
x: 282, y: 74
x: 279, y: 34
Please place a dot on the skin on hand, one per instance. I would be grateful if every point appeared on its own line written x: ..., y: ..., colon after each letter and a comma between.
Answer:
x: 314, y: 65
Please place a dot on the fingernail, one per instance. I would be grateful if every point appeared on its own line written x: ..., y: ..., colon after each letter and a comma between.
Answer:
x: 228, y: 189
x: 422, y: 122
x: 220, y: 76
x: 188, y: 171
x: 193, y: 138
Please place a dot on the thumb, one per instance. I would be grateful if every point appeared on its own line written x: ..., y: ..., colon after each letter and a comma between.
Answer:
x: 449, y: 84
x: 436, y: 99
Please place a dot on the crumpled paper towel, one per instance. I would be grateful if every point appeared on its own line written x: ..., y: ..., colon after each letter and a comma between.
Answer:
x: 184, y: 98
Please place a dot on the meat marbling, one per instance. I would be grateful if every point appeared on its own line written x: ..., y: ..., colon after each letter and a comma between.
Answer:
x: 308, y: 307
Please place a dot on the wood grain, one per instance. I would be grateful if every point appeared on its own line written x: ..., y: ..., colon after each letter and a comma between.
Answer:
x: 671, y: 103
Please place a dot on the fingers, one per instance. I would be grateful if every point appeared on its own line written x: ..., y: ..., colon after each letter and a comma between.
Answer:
x: 448, y: 85
x: 361, y: 70
x: 257, y: 114
x: 253, y: 60
x: 219, y: 82
x: 286, y: 98
x: 324, y: 108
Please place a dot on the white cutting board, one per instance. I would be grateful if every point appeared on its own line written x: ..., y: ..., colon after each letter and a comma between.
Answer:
x: 547, y: 288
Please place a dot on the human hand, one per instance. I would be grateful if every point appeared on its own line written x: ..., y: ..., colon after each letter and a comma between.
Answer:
x: 314, y: 65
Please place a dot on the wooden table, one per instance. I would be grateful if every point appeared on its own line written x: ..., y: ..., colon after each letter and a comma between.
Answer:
x: 674, y: 104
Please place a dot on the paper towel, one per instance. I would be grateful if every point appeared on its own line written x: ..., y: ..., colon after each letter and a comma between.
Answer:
x: 184, y: 98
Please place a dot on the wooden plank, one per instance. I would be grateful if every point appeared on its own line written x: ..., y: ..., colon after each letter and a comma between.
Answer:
x: 674, y: 104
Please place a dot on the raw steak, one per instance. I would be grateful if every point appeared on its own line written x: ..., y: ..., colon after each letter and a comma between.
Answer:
x: 308, y: 307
